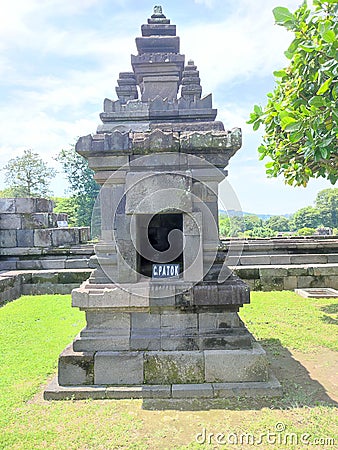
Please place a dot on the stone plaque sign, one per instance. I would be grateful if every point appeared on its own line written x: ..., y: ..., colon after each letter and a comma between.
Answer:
x: 165, y: 270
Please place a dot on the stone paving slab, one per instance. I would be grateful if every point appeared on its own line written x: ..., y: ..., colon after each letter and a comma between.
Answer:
x: 166, y: 396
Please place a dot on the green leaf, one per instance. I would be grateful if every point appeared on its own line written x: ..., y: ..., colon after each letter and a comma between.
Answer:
x: 324, y: 152
x: 282, y: 15
x: 256, y: 125
x: 258, y: 110
x: 324, y: 87
x: 317, y: 101
x: 293, y: 126
x: 269, y: 164
x: 286, y: 120
x: 279, y: 73
x: 296, y: 136
x: 329, y: 36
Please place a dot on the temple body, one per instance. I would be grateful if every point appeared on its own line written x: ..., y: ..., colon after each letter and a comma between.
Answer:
x: 161, y: 309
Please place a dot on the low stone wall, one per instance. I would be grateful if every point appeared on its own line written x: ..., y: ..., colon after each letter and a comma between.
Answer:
x: 279, y: 251
x: 279, y: 278
x: 31, y: 239
x: 13, y: 284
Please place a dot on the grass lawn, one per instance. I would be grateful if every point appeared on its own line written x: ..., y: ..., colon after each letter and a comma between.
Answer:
x: 299, y: 335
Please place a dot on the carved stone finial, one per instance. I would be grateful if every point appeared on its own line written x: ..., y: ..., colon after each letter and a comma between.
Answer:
x: 158, y: 10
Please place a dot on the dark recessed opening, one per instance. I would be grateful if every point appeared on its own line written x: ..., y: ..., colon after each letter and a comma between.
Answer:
x: 153, y: 235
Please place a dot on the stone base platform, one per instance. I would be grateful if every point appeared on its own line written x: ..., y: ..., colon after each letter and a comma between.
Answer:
x: 166, y: 395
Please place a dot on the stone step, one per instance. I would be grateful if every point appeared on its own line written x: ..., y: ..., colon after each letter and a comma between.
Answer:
x: 168, y: 396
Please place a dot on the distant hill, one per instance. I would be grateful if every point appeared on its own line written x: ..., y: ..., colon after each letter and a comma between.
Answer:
x: 232, y: 213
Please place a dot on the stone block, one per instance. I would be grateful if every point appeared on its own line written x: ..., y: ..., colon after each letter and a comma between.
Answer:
x: 25, y: 205
x: 203, y: 390
x: 36, y: 221
x: 255, y: 260
x: 331, y: 270
x: 155, y: 391
x: 214, y: 321
x: 290, y: 283
x: 193, y: 258
x: 56, y: 392
x: 332, y: 258
x: 273, y: 272
x: 173, y: 367
x: 309, y: 259
x: 145, y: 321
x: 205, y: 295
x: 311, y: 281
x: 280, y: 259
x: 153, y: 192
x: 236, y: 365
x: 45, y: 277
x: 272, y: 283
x: 101, y: 342
x: 84, y: 234
x: 179, y: 321
x: 126, y: 262
x: 247, y: 273
x: 8, y: 265
x: 7, y: 205
x: 52, y: 263
x: 29, y: 265
x: 118, y: 368
x: 44, y: 205
x: 74, y: 276
x: 10, y: 221
x: 65, y: 236
x: 75, y: 368
x: 25, y: 238
x: 79, y: 263
x: 42, y: 238
x: 113, y: 321
x: 8, y: 238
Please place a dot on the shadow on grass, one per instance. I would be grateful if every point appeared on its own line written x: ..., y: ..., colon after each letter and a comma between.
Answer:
x: 299, y: 389
x: 330, y: 310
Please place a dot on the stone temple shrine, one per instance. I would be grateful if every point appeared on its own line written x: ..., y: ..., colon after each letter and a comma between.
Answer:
x: 161, y: 311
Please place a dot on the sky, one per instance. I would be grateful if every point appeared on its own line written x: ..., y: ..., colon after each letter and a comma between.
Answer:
x: 59, y: 59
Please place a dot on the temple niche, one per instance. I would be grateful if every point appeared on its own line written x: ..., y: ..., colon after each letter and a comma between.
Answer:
x: 161, y: 310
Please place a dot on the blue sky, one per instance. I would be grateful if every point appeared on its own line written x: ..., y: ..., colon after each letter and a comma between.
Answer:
x: 60, y: 58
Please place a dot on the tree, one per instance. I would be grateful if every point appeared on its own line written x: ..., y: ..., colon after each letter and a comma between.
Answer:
x: 83, y: 187
x: 28, y: 176
x: 278, y: 223
x: 67, y: 206
x: 327, y: 204
x: 301, y: 117
x: 307, y: 217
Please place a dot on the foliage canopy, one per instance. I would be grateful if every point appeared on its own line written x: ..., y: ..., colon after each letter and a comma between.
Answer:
x: 83, y: 187
x: 301, y: 117
x: 28, y: 176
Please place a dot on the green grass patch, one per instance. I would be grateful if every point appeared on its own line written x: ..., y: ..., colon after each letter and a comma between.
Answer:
x: 299, y: 323
x: 34, y: 330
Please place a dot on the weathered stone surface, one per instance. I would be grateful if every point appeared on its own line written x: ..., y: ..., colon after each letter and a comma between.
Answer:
x: 118, y: 368
x: 173, y: 367
x: 10, y: 221
x: 75, y: 368
x: 151, y: 193
x: 8, y: 238
x: 236, y: 365
x: 42, y: 238
x: 25, y: 238
x: 204, y: 390
x: 7, y: 205
x: 65, y: 236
